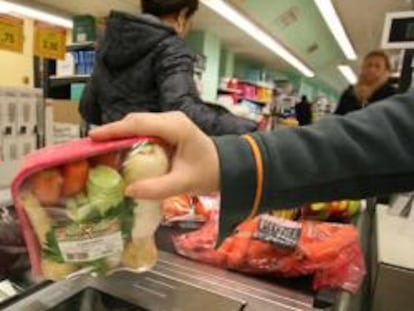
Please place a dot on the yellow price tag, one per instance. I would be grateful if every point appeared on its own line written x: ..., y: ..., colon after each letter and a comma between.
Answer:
x: 11, y: 33
x: 49, y: 41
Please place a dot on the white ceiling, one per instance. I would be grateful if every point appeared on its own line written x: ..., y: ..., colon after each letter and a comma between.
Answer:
x: 363, y: 21
x: 205, y: 19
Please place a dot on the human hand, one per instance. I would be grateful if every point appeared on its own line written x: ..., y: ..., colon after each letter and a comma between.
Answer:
x: 194, y: 162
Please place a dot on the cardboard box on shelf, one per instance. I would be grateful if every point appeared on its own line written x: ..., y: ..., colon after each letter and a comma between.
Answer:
x: 63, y: 121
x: 64, y: 132
x: 65, y: 111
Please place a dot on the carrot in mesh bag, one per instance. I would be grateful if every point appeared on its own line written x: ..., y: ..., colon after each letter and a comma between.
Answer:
x: 287, y: 248
x: 200, y: 244
x: 73, y: 213
x: 267, y: 245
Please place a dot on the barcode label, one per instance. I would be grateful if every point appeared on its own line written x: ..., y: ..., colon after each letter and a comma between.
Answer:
x: 93, y: 249
x: 280, y: 232
x: 94, y: 245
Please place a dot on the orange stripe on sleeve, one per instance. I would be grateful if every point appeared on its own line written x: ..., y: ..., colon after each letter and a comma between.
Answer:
x: 259, y: 173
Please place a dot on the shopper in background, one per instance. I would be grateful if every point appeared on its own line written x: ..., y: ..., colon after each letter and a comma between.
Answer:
x: 144, y: 65
x: 303, y: 111
x: 373, y: 84
x: 367, y: 153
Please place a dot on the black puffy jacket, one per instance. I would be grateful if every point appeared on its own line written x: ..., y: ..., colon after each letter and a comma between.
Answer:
x: 143, y: 66
x: 349, y: 101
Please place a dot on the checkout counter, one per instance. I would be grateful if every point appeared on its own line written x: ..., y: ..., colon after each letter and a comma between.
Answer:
x: 174, y: 284
x: 178, y: 284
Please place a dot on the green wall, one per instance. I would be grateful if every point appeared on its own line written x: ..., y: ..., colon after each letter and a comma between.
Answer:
x: 227, y: 63
x: 195, y: 41
x: 212, y: 50
x: 209, y: 45
x: 221, y: 62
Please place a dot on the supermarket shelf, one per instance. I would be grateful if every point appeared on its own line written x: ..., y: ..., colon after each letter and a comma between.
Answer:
x: 251, y: 118
x: 257, y: 84
x: 229, y: 91
x: 64, y: 80
x: 90, y: 45
x: 255, y: 101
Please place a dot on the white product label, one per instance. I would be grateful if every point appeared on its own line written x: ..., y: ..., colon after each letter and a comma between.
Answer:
x: 90, y: 242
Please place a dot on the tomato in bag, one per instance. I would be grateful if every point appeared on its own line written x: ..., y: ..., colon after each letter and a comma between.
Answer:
x: 73, y: 212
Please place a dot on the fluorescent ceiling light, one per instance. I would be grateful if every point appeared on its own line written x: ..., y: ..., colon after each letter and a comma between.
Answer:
x: 348, y: 73
x: 335, y: 25
x: 233, y: 16
x: 10, y: 7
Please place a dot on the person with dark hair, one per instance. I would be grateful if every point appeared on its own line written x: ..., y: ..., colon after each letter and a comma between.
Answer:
x: 373, y: 84
x: 144, y: 65
x: 303, y: 111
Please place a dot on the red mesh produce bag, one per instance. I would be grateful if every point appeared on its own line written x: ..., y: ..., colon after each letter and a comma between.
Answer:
x: 267, y: 245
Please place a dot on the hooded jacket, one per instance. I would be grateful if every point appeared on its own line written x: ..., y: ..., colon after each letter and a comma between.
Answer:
x: 143, y: 66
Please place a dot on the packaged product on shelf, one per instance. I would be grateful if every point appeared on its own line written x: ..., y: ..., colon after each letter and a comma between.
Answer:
x: 73, y: 213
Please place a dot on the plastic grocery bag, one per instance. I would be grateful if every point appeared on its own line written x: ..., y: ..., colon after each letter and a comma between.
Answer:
x: 267, y: 245
x: 199, y: 216
x: 73, y: 213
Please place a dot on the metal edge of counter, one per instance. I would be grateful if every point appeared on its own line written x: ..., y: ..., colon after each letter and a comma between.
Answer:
x: 359, y: 302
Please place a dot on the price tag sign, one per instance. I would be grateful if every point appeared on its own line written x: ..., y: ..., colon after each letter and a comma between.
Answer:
x: 49, y: 41
x: 11, y: 33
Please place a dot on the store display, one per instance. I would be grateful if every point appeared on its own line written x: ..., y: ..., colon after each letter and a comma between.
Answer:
x: 333, y: 211
x: 84, y: 61
x: 75, y: 218
x: 322, y: 108
x: 245, y: 99
x: 84, y: 28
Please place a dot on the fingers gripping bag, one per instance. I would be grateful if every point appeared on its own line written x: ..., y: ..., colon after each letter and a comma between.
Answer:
x: 73, y: 212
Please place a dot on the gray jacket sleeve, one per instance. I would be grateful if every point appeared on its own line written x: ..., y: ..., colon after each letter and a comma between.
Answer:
x: 366, y: 153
